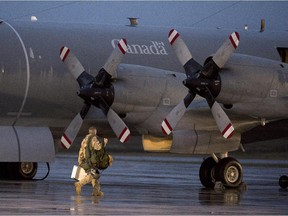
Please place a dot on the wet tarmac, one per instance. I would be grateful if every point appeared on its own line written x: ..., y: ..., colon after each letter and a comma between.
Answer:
x: 147, y: 184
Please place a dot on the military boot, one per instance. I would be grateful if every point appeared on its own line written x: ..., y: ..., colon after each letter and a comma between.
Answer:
x: 78, y: 185
x: 96, y: 188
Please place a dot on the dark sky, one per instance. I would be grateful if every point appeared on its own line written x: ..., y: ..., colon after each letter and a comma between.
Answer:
x: 203, y: 14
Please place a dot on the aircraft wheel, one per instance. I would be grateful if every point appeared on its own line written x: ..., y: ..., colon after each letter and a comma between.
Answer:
x: 25, y: 170
x: 207, y: 173
x: 4, y: 170
x: 229, y: 172
x: 283, y: 181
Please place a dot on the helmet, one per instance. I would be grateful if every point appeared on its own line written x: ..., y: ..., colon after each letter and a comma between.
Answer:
x: 93, y: 130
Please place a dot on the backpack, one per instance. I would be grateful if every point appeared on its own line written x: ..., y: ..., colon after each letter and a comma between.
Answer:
x: 81, y: 156
x: 100, y: 158
x: 103, y: 162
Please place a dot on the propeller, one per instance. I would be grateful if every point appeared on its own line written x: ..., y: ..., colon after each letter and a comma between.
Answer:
x: 201, y: 80
x: 97, y: 91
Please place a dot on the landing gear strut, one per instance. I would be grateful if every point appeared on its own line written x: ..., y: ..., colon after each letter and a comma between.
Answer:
x: 228, y: 171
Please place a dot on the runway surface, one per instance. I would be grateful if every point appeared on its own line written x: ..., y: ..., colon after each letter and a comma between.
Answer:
x: 146, y: 183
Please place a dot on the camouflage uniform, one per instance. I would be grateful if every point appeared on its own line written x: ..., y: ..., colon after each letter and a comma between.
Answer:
x: 92, y: 158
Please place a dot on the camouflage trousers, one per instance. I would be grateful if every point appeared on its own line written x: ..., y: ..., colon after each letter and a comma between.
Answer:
x: 89, y: 178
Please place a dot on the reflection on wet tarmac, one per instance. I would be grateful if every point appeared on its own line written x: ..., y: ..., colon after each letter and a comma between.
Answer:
x: 147, y: 184
x: 228, y: 196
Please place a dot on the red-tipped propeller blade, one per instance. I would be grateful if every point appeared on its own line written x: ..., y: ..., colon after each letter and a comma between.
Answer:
x: 199, y: 79
x: 176, y: 114
x: 102, y: 79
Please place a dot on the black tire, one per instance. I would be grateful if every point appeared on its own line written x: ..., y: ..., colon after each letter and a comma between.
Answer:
x: 206, y: 173
x: 25, y: 170
x: 283, y: 181
x: 229, y: 171
x: 5, y: 170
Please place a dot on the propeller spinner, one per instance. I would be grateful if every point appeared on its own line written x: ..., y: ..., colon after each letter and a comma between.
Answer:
x: 96, y: 91
x: 202, y: 81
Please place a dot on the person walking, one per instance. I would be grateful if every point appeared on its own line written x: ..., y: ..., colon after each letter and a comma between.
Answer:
x: 92, y: 158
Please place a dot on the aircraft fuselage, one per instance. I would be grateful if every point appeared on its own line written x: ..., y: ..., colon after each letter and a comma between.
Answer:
x: 46, y: 93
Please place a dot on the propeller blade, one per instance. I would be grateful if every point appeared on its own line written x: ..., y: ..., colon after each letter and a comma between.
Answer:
x: 179, y: 47
x: 118, y: 126
x: 200, y: 80
x: 101, y: 83
x: 185, y: 57
x: 108, y: 71
x: 72, y: 130
x: 75, y: 67
x: 176, y: 114
x: 115, y: 58
x: 222, y: 120
x: 221, y: 56
x: 225, y: 51
x: 72, y: 63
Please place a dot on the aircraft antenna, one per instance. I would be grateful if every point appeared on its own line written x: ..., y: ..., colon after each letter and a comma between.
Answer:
x: 133, y: 21
x: 262, y: 28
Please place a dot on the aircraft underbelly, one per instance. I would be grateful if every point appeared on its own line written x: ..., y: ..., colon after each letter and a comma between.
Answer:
x: 202, y: 142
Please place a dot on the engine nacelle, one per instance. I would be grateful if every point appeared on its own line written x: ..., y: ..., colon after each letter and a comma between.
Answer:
x: 253, y: 85
x: 24, y: 144
x: 145, y: 94
x: 129, y: 89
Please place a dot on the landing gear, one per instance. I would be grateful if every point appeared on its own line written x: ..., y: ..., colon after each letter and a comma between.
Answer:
x: 207, y: 173
x: 26, y: 170
x: 228, y: 171
x: 283, y: 181
x: 18, y: 170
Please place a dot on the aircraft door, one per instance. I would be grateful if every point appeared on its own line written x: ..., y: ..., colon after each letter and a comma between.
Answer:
x: 14, y: 74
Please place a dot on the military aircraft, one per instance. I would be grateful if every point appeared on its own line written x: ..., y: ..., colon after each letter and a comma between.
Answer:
x: 185, y: 91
